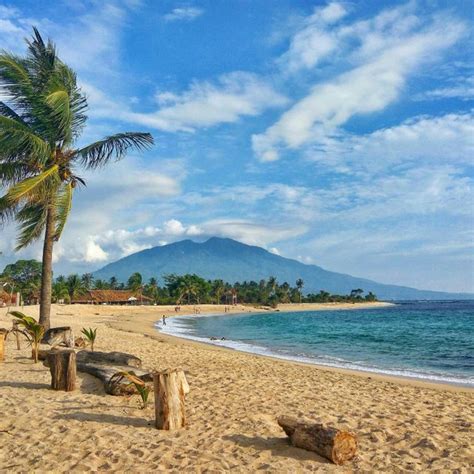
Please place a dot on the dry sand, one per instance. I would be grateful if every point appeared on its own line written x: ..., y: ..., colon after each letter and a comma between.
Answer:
x: 232, y: 409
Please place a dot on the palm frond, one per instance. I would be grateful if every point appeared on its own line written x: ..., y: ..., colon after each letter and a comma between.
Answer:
x: 7, y: 111
x: 12, y: 172
x: 28, y: 186
x: 32, y: 219
x: 7, y: 210
x: 116, y: 146
x: 59, y: 103
x: 63, y: 208
x: 17, y: 137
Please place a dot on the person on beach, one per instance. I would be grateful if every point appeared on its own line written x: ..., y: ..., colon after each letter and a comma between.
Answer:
x: 164, y: 320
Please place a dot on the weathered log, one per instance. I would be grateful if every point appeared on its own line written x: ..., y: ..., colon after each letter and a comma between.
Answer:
x: 170, y: 388
x: 109, y: 358
x: 105, y: 372
x: 3, y: 334
x: 336, y: 445
x: 62, y: 365
x: 57, y: 336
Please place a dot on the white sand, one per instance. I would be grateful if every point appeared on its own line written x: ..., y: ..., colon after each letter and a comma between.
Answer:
x: 232, y: 409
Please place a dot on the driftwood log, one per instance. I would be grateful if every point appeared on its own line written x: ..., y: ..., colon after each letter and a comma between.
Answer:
x: 105, y: 372
x: 57, y: 336
x: 109, y: 358
x: 170, y: 388
x: 62, y: 365
x: 3, y: 335
x: 336, y: 445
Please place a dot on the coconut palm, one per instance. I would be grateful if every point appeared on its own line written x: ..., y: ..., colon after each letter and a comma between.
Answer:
x: 40, y: 122
x: 299, y: 285
x: 75, y: 286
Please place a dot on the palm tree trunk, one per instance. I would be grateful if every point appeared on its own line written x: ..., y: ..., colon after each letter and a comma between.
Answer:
x: 47, y: 272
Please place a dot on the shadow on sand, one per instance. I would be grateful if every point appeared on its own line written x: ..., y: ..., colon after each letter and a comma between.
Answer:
x: 30, y: 385
x: 278, y: 447
x: 106, y: 419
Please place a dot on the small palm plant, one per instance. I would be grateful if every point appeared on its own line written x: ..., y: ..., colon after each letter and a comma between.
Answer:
x: 90, y: 334
x: 140, y: 386
x: 34, y: 331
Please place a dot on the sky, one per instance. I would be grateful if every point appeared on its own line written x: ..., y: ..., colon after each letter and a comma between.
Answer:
x: 340, y: 134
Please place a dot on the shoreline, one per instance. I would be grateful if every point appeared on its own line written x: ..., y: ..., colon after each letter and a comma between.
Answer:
x: 149, y: 328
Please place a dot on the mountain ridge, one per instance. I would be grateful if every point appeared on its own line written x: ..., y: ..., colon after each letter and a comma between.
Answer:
x: 232, y: 261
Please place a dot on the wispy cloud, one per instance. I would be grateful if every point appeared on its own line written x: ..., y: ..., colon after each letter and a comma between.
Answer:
x: 183, y: 14
x: 392, y: 47
x: 204, y: 104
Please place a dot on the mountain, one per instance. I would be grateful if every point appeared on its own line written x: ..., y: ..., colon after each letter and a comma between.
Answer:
x: 234, y: 261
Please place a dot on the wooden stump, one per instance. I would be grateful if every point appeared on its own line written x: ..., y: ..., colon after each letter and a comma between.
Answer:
x: 62, y: 365
x: 3, y: 334
x: 336, y: 445
x: 170, y: 388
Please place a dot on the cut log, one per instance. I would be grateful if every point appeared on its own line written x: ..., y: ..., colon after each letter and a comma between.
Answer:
x: 109, y: 358
x: 57, y: 336
x: 336, y: 445
x: 170, y: 388
x: 3, y: 335
x: 105, y: 372
x: 62, y: 365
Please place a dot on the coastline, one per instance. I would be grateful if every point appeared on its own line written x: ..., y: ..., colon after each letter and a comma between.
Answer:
x: 148, y: 325
x: 401, y: 425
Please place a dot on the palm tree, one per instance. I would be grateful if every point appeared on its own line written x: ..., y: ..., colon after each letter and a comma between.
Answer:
x: 39, y: 126
x: 299, y: 285
x: 218, y: 288
x: 113, y: 282
x: 75, y: 286
x: 87, y: 280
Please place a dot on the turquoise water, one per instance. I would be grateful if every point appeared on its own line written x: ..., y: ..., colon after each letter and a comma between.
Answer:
x: 422, y: 340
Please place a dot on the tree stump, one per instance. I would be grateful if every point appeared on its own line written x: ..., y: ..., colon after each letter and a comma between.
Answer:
x: 170, y: 388
x: 62, y: 365
x: 336, y: 445
x: 3, y: 334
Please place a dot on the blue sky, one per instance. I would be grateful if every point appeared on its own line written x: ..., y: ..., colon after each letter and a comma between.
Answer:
x: 336, y: 133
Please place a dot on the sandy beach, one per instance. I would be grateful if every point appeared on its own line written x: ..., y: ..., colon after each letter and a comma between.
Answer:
x: 232, y: 408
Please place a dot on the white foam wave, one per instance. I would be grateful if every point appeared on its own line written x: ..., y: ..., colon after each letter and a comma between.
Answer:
x: 177, y: 326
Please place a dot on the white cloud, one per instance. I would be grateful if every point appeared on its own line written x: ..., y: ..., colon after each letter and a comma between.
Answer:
x: 464, y: 90
x: 184, y: 14
x: 388, y: 55
x: 206, y: 103
x: 420, y: 140
x: 314, y: 41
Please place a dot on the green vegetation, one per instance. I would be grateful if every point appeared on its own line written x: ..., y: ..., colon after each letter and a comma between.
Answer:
x: 91, y: 335
x: 192, y: 289
x: 40, y: 124
x: 140, y: 386
x: 34, y: 331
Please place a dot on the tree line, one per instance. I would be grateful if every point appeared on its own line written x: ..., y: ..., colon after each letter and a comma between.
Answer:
x: 25, y: 276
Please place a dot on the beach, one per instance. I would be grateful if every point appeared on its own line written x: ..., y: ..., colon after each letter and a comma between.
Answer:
x: 232, y: 407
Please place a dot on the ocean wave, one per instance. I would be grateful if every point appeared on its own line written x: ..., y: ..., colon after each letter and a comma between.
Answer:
x: 180, y: 327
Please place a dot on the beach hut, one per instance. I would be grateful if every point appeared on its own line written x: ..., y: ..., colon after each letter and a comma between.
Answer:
x: 113, y: 297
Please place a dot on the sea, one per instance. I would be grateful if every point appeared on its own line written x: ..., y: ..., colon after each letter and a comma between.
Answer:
x: 432, y: 341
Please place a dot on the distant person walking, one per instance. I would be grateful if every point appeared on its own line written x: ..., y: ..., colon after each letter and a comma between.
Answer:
x: 164, y: 320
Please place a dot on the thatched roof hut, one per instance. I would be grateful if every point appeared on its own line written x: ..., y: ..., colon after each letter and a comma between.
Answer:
x: 121, y: 297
